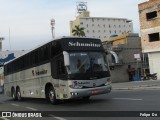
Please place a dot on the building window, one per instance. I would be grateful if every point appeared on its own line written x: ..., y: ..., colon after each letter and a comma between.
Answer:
x: 151, y: 15
x: 154, y: 37
x: 81, y: 23
x: 87, y: 25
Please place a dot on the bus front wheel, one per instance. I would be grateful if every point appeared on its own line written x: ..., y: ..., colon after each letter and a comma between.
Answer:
x: 52, y: 96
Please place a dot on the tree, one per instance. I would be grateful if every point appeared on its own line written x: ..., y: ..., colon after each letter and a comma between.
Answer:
x: 77, y: 31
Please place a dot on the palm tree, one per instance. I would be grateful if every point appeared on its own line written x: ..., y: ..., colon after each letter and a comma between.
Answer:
x: 77, y: 31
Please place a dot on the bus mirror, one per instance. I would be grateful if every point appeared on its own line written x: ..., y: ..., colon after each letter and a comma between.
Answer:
x: 66, y: 58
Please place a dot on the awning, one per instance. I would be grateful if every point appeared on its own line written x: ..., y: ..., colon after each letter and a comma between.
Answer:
x: 115, y: 56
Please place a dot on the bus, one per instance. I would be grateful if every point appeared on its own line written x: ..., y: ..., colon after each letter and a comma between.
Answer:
x: 63, y: 68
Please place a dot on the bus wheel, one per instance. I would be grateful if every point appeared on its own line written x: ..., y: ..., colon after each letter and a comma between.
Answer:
x: 18, y: 93
x: 52, y: 96
x: 86, y: 98
x: 13, y: 94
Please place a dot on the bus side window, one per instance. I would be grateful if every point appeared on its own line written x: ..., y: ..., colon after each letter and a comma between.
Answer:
x: 58, y: 69
x: 61, y: 68
x: 54, y: 67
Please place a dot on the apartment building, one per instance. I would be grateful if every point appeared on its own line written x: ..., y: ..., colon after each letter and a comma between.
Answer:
x: 102, y: 27
x: 149, y: 15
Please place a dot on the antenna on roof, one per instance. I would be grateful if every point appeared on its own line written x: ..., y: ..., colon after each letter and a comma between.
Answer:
x: 9, y: 39
x: 81, y: 7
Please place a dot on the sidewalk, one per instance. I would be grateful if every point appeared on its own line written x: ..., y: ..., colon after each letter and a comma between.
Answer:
x: 133, y: 85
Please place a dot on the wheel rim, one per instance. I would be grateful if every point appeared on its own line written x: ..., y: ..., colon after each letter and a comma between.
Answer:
x: 19, y: 95
x: 13, y: 95
x: 51, y: 96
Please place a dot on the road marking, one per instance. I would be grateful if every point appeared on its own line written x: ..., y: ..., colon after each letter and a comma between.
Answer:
x: 15, y: 104
x: 31, y: 108
x: 58, y: 118
x: 126, y: 99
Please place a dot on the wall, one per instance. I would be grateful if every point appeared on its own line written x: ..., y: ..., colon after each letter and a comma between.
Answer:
x: 154, y: 62
x: 149, y: 26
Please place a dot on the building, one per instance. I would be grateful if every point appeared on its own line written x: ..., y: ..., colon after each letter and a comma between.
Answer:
x: 102, y: 27
x: 149, y: 15
x: 123, y: 51
x: 6, y: 56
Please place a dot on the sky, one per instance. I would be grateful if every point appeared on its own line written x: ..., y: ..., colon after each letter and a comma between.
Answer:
x: 25, y: 24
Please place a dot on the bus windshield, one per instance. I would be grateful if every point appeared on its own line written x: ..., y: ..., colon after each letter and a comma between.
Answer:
x: 83, y: 63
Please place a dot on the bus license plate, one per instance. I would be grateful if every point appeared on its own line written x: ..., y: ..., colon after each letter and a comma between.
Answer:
x: 94, y: 91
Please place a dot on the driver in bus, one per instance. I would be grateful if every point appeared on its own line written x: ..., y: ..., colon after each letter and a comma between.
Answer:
x: 80, y: 66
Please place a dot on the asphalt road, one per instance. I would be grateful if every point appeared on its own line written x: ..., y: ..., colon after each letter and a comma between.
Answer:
x: 117, y: 100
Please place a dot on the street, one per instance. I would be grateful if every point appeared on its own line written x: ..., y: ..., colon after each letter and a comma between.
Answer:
x: 117, y: 100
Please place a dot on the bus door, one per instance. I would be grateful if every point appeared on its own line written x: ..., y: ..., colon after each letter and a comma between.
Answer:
x: 60, y: 75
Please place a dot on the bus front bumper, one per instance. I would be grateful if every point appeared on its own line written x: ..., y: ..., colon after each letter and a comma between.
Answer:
x: 77, y: 93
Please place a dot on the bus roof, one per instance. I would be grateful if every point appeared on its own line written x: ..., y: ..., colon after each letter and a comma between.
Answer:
x: 71, y: 43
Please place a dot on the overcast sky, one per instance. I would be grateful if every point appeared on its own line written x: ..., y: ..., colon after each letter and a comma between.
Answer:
x: 29, y: 20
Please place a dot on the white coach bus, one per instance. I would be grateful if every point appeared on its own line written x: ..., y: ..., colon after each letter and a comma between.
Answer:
x: 64, y: 68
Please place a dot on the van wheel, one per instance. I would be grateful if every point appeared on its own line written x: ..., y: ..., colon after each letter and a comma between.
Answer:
x: 52, y: 96
x: 18, y: 93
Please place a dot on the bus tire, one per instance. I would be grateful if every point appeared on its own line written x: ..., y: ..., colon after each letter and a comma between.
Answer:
x: 13, y: 94
x: 52, y: 96
x: 18, y: 94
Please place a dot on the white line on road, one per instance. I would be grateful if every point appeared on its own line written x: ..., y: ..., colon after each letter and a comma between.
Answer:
x: 58, y: 118
x: 31, y: 108
x: 126, y: 99
x: 15, y: 104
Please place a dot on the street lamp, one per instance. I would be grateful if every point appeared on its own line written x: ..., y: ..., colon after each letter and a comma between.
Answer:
x: 1, y: 38
x: 53, y: 27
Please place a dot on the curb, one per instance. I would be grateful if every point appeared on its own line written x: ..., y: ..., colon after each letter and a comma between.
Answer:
x: 143, y: 87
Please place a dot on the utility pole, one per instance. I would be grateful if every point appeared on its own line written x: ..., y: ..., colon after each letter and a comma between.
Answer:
x: 53, y: 28
x: 1, y: 38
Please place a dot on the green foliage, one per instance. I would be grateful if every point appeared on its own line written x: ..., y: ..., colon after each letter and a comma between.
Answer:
x: 77, y: 31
